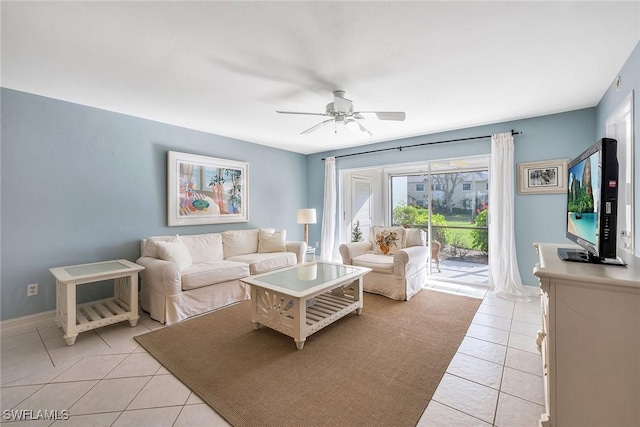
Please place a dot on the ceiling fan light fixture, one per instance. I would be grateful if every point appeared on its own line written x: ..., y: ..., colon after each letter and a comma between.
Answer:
x: 341, y: 111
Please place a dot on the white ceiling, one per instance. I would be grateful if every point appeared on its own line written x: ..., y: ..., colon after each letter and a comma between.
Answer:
x: 225, y: 67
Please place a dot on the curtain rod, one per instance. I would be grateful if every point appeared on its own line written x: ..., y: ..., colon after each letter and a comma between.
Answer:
x: 400, y: 147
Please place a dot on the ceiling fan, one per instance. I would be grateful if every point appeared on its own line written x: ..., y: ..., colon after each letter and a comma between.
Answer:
x: 341, y: 111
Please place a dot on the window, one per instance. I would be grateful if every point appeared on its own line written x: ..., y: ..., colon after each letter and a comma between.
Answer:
x: 466, y: 186
x: 419, y: 187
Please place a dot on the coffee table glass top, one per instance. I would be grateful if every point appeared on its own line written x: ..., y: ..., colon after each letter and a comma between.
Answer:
x: 307, y: 276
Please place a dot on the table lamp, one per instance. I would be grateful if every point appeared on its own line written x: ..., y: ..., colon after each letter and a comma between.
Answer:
x: 306, y: 217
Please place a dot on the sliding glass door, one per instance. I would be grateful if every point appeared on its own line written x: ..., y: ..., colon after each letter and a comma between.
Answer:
x: 448, y: 199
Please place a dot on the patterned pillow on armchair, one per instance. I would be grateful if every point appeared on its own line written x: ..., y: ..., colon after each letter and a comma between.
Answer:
x: 387, y: 240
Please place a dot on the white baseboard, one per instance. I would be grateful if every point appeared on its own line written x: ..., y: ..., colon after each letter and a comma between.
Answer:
x: 24, y: 324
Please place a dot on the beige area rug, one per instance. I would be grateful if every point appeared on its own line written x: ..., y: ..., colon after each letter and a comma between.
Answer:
x: 380, y: 368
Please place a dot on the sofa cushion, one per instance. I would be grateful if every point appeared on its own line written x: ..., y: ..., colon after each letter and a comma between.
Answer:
x: 378, y: 263
x: 210, y: 273
x: 387, y: 240
x: 204, y: 247
x: 263, y: 263
x: 174, y: 250
x: 239, y: 242
x: 270, y: 240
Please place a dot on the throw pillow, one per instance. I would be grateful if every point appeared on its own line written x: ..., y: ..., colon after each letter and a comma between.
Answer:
x: 174, y: 250
x: 414, y: 237
x: 270, y: 240
x: 387, y: 240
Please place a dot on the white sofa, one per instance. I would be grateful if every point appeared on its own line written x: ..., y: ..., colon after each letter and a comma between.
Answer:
x: 189, y: 275
x: 398, y: 275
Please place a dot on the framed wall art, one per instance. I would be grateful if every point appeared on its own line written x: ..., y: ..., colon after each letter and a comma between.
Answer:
x: 543, y: 177
x: 206, y: 190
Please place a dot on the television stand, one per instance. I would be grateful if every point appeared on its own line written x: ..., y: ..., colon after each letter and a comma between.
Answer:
x: 589, y: 340
x: 577, y: 255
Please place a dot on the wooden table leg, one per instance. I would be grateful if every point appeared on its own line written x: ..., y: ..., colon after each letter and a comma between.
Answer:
x: 133, y: 298
x: 299, y: 321
x: 70, y: 330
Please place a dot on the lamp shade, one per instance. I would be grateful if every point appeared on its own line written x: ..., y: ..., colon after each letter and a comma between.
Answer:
x: 306, y: 216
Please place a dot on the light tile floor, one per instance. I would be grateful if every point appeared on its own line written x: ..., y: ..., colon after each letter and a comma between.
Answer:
x: 107, y: 379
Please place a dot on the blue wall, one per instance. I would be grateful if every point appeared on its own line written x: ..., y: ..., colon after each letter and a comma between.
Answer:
x: 81, y: 184
x: 538, y: 218
x: 630, y: 78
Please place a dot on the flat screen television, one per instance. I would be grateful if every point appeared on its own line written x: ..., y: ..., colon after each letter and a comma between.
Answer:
x: 592, y: 205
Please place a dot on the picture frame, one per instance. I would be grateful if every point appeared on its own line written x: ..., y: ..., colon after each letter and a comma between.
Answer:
x: 206, y: 190
x: 543, y: 177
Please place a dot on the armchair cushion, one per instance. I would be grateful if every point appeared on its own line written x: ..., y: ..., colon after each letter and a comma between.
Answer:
x: 377, y: 263
x: 414, y: 237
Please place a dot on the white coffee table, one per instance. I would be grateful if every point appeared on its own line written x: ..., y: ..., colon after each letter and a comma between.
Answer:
x: 303, y: 299
x: 123, y: 306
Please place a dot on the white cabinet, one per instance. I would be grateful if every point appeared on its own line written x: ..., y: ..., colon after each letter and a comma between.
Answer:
x: 590, y: 342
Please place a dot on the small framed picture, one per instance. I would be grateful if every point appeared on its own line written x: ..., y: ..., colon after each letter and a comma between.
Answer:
x: 543, y: 177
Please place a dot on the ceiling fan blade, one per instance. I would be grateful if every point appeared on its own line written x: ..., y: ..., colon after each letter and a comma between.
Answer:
x: 318, y: 126
x: 298, y: 112
x: 357, y: 128
x: 386, y: 115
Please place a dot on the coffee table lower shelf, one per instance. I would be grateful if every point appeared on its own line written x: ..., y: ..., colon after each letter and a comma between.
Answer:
x: 281, y: 312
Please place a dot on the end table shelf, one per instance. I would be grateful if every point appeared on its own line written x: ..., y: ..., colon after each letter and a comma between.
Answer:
x: 73, y: 318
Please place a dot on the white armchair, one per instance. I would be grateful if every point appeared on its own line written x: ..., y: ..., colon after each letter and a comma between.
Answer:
x: 398, y: 276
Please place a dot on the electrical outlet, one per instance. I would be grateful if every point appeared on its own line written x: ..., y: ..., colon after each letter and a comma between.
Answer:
x: 317, y: 244
x: 32, y: 290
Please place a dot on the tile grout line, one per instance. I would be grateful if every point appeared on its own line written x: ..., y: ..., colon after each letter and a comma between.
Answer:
x: 462, y: 412
x: 504, y: 366
x: 45, y: 347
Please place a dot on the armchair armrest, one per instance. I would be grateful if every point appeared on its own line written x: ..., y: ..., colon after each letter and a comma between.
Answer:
x: 348, y: 251
x: 160, y: 276
x: 410, y: 259
x: 298, y: 248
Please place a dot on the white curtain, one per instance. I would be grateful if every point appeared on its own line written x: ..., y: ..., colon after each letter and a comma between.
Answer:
x: 329, y: 210
x: 504, y: 275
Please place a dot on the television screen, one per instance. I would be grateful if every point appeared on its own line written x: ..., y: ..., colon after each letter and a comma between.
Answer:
x: 584, y: 198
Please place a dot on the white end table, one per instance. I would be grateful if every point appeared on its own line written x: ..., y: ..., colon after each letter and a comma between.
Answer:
x: 84, y: 317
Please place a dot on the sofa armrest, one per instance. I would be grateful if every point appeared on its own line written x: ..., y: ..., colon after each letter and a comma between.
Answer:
x: 410, y: 259
x: 161, y: 276
x: 348, y: 251
x: 298, y: 248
